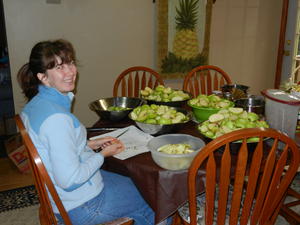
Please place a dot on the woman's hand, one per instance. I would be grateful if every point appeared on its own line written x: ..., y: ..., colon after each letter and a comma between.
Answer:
x: 113, y: 148
x: 109, y: 145
x: 100, y: 142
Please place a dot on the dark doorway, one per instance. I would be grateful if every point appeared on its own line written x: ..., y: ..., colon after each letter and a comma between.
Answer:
x: 7, y: 111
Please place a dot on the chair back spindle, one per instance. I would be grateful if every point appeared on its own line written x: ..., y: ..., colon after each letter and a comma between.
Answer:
x: 132, y: 80
x: 205, y: 79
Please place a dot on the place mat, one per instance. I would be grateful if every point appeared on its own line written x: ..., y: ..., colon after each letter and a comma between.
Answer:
x: 135, y: 141
x: 18, y: 198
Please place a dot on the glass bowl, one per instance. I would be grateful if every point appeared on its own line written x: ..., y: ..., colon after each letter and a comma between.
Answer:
x: 174, y: 161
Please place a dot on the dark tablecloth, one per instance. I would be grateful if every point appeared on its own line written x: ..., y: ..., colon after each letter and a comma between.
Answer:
x: 164, y: 190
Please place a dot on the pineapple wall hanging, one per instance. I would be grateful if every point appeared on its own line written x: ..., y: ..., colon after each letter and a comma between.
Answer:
x: 183, y: 35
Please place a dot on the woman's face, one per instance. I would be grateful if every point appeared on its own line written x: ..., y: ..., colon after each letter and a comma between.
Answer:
x: 62, y: 76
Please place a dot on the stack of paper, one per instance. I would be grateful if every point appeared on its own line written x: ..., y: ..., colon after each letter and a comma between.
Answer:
x: 135, y: 141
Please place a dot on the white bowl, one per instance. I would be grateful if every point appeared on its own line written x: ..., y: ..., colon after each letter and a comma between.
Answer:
x: 174, y: 161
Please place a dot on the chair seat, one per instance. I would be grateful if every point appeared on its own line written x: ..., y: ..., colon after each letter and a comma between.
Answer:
x: 184, y: 210
x: 295, y: 185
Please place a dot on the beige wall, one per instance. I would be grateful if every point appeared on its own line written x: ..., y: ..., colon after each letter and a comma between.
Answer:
x: 244, y: 40
x: 110, y: 36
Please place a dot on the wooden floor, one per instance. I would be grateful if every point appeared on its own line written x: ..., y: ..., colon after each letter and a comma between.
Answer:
x: 11, y: 177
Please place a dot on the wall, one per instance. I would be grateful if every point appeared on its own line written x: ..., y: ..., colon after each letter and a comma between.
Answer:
x: 112, y: 35
x: 244, y: 41
x: 109, y: 36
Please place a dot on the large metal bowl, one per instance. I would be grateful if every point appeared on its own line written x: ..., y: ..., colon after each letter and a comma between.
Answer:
x: 101, y: 106
x: 254, y: 104
x: 157, y: 129
x: 174, y: 161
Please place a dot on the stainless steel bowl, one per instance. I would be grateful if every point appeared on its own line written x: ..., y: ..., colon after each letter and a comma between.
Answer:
x: 254, y: 104
x: 229, y: 87
x: 157, y: 129
x: 101, y: 106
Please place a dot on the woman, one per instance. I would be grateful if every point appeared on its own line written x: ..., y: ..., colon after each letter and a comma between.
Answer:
x: 90, y: 195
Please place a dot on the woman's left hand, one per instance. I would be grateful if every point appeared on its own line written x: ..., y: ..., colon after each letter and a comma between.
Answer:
x: 113, y: 148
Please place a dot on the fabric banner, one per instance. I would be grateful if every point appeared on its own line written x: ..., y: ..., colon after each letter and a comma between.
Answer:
x: 183, y: 35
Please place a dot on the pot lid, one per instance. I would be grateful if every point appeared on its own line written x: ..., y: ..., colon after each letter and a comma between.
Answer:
x: 281, y: 96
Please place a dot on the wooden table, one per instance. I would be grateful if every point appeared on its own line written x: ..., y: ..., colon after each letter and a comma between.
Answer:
x: 164, y: 190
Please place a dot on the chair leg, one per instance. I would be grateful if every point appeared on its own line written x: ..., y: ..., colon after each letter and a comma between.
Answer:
x: 44, y: 220
x: 285, y: 211
x: 177, y: 219
x: 290, y: 216
x: 293, y: 193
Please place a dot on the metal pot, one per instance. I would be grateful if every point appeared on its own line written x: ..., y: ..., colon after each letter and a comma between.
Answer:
x: 253, y: 103
x: 235, y: 91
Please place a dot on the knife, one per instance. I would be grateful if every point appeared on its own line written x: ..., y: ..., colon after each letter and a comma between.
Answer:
x: 119, y: 135
x: 96, y: 129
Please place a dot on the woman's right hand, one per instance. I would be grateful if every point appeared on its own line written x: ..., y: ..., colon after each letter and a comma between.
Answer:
x: 116, y: 146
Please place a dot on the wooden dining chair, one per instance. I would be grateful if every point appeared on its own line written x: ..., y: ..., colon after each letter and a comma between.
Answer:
x: 132, y: 80
x: 205, y: 79
x: 43, y: 184
x: 247, y: 187
x: 290, y: 208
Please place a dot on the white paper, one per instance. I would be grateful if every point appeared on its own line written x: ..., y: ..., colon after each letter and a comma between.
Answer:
x: 135, y: 141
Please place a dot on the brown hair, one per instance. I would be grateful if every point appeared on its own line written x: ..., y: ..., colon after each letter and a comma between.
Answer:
x: 43, y: 56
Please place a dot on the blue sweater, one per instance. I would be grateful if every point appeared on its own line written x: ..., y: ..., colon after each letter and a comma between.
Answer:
x: 61, y: 141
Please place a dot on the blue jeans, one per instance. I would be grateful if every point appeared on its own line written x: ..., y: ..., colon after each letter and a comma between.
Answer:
x: 119, y: 198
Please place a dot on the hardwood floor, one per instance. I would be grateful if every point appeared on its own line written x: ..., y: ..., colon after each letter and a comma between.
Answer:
x: 11, y: 177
